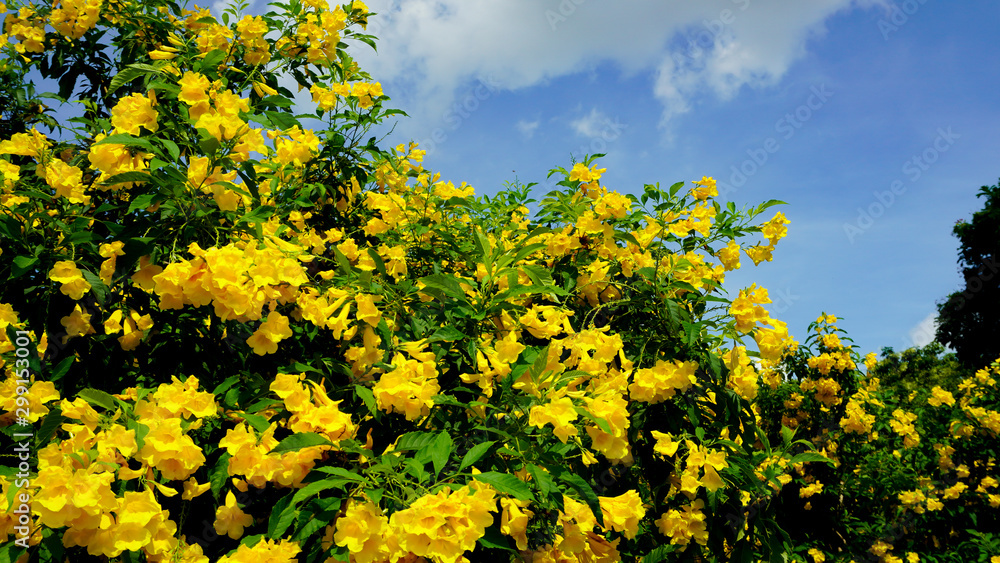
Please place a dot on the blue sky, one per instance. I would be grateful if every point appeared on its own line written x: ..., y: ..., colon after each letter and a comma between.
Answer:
x: 877, y: 121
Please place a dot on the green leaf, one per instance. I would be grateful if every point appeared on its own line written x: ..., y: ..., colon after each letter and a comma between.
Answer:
x: 96, y: 285
x: 600, y: 422
x: 367, y: 396
x: 172, y: 149
x: 296, y: 442
x: 128, y: 141
x: 278, y: 101
x: 527, y: 250
x: 208, y: 143
x: 22, y: 265
x: 475, y: 454
x: 281, y: 517
x: 315, y: 488
x: 258, y: 215
x: 446, y: 334
x: 787, y: 434
x: 225, y: 385
x: 219, y: 474
x: 257, y: 421
x: 446, y: 284
x: 483, y: 246
x: 212, y: 60
x: 414, y: 441
x: 130, y: 73
x: 341, y: 472
x: 507, y: 483
x: 440, y: 451
x: 448, y: 400
x: 584, y: 490
x: 49, y: 425
x: 98, y: 398
x: 657, y: 555
x: 543, y: 480
x: 769, y: 203
x: 379, y: 264
x: 494, y: 539
x: 809, y: 457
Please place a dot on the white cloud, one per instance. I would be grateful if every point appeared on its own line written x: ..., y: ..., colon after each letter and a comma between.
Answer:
x: 527, y: 128
x: 590, y: 125
x: 430, y: 49
x: 923, y: 333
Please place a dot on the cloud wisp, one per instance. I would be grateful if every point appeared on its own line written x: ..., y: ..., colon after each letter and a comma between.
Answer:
x: 430, y: 50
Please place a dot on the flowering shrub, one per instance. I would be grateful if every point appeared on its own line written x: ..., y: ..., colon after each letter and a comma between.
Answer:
x: 234, y: 332
x: 913, y: 476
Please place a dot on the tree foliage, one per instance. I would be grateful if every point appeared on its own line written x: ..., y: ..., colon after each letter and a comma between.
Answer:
x: 236, y: 329
x: 919, y: 368
x: 969, y: 319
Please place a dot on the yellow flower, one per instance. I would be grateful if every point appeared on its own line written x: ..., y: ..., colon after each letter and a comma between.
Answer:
x: 760, y: 254
x: 817, y: 555
x: 444, y: 526
x: 613, y: 408
x: 265, y: 551
x: 73, y: 18
x: 32, y: 144
x: 746, y: 308
x: 581, y: 173
x: 366, y: 309
x: 298, y: 148
x: 682, y: 526
x: 730, y: 256
x: 514, y: 520
x: 133, y: 112
x: 265, y: 339
x: 560, y: 413
x: 66, y: 180
x: 774, y: 230
x: 66, y: 273
x: 623, y: 513
x: 363, y: 530
x: 871, y: 359
x: 77, y: 323
x: 940, y: 397
x: 659, y: 383
x: 407, y: 389
x: 194, y: 88
x: 67, y: 498
x: 508, y: 348
x: 230, y: 519
x: 706, y: 188
x: 111, y: 251
x: 183, y: 399
x: 171, y: 451
x: 810, y: 490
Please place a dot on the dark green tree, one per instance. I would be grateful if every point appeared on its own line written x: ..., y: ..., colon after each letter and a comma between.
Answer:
x: 19, y: 105
x: 914, y: 369
x: 969, y: 319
